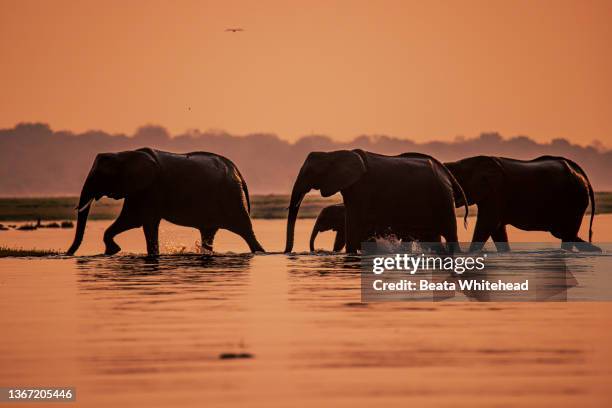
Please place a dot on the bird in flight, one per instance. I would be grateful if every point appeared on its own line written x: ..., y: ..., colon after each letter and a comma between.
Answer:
x: 234, y: 30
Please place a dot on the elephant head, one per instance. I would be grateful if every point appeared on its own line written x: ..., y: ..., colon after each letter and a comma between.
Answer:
x: 328, y: 172
x: 330, y: 218
x: 115, y: 175
x: 480, y: 177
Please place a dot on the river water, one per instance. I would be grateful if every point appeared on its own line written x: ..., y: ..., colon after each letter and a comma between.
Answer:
x: 130, y: 331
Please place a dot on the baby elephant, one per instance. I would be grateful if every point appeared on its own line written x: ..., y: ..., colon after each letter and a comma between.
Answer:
x: 330, y: 218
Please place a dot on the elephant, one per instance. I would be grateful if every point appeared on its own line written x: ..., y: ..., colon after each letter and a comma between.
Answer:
x: 330, y: 218
x: 411, y: 193
x: 544, y: 194
x: 199, y: 189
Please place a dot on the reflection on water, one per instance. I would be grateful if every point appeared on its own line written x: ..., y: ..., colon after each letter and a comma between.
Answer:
x: 166, y: 278
x: 187, y: 272
x: 134, y: 331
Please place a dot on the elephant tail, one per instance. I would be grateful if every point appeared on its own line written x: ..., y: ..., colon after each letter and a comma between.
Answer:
x: 245, y: 190
x: 243, y: 183
x: 579, y: 170
x: 458, y: 191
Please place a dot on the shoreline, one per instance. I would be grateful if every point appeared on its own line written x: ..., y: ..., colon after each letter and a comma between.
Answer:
x: 263, y: 206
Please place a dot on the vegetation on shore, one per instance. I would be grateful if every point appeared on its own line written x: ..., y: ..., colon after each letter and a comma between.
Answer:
x: 63, y: 208
x: 21, y: 252
x: 272, y: 206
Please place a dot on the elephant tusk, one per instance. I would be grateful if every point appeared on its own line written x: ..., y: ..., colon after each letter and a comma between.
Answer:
x: 83, y: 208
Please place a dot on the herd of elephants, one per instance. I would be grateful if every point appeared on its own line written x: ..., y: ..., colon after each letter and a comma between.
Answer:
x: 412, y: 196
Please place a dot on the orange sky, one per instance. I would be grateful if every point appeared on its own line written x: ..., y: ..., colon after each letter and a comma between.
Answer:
x: 417, y: 69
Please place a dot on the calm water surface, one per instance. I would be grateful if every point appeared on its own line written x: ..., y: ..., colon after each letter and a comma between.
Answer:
x: 127, y: 331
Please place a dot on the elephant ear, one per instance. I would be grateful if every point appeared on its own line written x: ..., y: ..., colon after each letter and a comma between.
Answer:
x: 140, y: 170
x: 345, y: 168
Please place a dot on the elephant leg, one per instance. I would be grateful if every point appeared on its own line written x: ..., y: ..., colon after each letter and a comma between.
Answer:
x: 208, y: 236
x: 339, y: 241
x: 127, y: 220
x: 353, y: 235
x: 244, y: 228
x: 445, y: 226
x: 584, y: 246
x: 500, y: 238
x: 567, y: 231
x: 151, y: 232
x: 483, y: 230
x: 579, y: 244
x: 315, y: 231
x: 568, y: 234
x: 351, y: 247
x: 452, y: 240
x: 249, y: 237
x: 357, y: 228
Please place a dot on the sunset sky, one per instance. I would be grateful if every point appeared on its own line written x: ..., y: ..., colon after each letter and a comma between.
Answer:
x: 413, y: 69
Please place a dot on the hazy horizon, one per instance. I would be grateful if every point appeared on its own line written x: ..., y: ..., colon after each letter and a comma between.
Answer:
x: 36, y: 160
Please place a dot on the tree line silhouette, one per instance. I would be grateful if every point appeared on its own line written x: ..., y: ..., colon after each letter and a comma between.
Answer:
x: 36, y: 160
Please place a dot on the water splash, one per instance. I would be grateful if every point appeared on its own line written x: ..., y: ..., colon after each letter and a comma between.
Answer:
x: 390, y: 243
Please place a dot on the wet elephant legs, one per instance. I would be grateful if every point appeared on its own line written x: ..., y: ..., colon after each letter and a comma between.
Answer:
x: 487, y: 228
x: 500, y: 238
x: 151, y: 232
x: 357, y: 230
x: 242, y: 226
x: 489, y: 225
x: 339, y: 241
x: 581, y: 245
x: 135, y: 215
x: 132, y: 216
x: 208, y: 237
x: 129, y: 218
x: 570, y: 239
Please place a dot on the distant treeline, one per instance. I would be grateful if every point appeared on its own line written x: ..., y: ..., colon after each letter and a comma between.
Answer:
x: 262, y: 206
x: 38, y: 161
x: 63, y: 208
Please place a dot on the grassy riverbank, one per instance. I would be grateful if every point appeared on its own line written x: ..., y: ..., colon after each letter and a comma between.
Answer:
x: 21, y: 252
x: 271, y: 206
x: 63, y: 208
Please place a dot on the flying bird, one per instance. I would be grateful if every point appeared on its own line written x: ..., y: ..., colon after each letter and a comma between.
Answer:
x: 234, y: 30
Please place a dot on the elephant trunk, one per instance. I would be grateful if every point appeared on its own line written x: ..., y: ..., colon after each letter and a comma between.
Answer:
x: 297, y: 195
x: 85, y: 200
x: 313, y: 235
